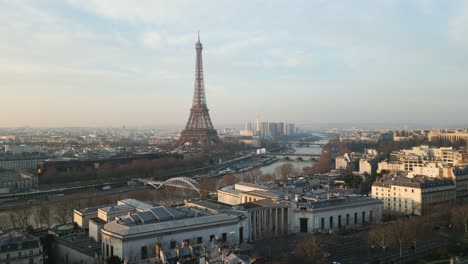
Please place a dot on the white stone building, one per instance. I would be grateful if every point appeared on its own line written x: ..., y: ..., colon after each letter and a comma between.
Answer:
x: 135, y: 235
x: 335, y: 214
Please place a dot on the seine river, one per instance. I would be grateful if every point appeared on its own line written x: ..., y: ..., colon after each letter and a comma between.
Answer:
x: 298, y: 164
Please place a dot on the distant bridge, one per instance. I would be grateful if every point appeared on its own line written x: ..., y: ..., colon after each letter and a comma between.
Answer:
x: 178, y: 182
x: 309, y: 143
x: 294, y: 155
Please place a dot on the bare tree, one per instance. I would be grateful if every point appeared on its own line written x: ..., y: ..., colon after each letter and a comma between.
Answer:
x: 19, y: 217
x: 267, y: 177
x: 251, y: 175
x: 3, y: 222
x: 382, y: 236
x: 63, y: 212
x: 286, y: 171
x: 13, y: 218
x: 400, y: 230
x: 229, y: 180
x: 207, y: 186
x: 45, y: 215
x: 418, y: 229
x: 36, y: 218
x: 311, y: 249
x: 460, y: 216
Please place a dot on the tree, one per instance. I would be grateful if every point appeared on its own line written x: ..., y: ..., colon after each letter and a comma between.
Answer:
x: 418, y: 229
x: 400, y: 230
x: 36, y: 218
x: 63, y: 212
x: 251, y: 175
x: 207, y: 186
x: 460, y: 216
x: 3, y: 222
x: 311, y: 249
x: 267, y: 177
x: 229, y: 180
x: 286, y: 171
x: 382, y: 236
x: 19, y: 217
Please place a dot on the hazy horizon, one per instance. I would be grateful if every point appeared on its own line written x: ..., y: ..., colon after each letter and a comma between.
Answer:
x: 113, y: 63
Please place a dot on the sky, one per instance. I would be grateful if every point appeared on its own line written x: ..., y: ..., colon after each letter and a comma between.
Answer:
x: 126, y: 62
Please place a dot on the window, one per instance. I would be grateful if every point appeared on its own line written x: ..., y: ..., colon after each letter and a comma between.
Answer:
x: 31, y: 252
x: 31, y: 261
x: 322, y: 223
x: 355, y: 218
x: 107, y: 250
x: 173, y: 244
x: 303, y: 225
x: 212, y: 238
x: 144, y: 252
x: 199, y: 240
x: 8, y: 255
x: 331, y: 222
x: 112, y: 251
x: 223, y: 237
x: 20, y: 254
x: 371, y: 216
x: 363, y: 217
x: 347, y: 219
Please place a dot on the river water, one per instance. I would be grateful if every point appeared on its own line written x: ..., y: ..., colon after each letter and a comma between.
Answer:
x: 298, y: 164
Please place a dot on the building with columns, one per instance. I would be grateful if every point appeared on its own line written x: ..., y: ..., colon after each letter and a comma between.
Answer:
x: 267, y: 219
x: 273, y: 212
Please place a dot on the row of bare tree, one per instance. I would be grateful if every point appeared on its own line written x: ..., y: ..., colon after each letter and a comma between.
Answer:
x: 51, y: 213
x: 43, y: 216
x: 405, y: 232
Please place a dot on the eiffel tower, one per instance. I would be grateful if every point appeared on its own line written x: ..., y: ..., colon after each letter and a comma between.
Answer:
x: 199, y: 130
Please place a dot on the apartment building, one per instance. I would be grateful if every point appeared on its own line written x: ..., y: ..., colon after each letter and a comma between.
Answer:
x: 414, y: 196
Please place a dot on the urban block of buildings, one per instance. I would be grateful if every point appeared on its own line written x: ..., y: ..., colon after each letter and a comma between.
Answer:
x: 244, y: 212
x: 424, y: 160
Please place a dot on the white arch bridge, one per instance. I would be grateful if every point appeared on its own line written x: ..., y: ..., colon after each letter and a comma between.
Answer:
x: 178, y: 182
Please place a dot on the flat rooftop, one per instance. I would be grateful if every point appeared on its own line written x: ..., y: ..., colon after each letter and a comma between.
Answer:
x: 164, y: 219
x: 137, y: 204
x: 117, y: 208
x: 340, y: 202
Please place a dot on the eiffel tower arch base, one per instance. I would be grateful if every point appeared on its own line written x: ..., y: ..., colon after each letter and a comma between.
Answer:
x: 204, y: 138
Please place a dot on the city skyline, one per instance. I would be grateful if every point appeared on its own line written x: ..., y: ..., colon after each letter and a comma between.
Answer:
x: 97, y: 63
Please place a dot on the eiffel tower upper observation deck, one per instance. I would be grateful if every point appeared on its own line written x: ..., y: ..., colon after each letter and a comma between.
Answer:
x: 199, y: 130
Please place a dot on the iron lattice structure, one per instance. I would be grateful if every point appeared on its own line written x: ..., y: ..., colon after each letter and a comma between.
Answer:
x: 199, y: 130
